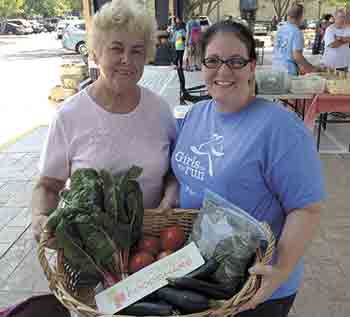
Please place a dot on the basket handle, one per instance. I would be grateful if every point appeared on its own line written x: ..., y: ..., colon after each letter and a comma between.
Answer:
x: 170, y: 212
x: 49, y: 273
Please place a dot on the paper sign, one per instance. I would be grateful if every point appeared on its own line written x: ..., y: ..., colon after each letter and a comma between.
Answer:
x: 149, y: 279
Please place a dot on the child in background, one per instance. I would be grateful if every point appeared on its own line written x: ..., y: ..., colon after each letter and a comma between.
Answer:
x: 180, y: 39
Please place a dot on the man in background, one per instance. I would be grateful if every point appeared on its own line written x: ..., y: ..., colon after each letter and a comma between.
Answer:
x: 289, y: 45
x: 337, y: 40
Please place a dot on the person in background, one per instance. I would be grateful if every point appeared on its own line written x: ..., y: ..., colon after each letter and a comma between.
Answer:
x: 337, y: 40
x: 255, y: 154
x: 274, y: 23
x: 171, y: 31
x: 193, y: 37
x: 179, y: 42
x: 289, y: 44
x: 114, y: 123
x: 318, y: 45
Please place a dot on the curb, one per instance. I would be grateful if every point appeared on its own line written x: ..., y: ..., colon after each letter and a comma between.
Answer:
x: 20, y: 136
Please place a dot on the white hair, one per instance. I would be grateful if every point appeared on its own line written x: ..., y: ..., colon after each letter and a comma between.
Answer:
x: 123, y: 15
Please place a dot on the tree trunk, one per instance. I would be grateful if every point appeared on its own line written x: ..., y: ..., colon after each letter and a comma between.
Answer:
x: 197, y: 6
x: 281, y: 7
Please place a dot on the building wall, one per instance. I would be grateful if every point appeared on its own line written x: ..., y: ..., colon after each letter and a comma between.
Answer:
x: 265, y: 9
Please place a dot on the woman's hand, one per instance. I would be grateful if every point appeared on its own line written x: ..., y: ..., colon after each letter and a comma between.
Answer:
x: 171, y: 193
x: 38, y: 226
x: 299, y: 228
x: 45, y: 197
x: 271, y: 278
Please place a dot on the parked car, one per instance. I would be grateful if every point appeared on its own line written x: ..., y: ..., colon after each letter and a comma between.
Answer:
x: 260, y: 29
x: 74, y: 37
x: 50, y: 24
x: 36, y: 26
x: 312, y: 24
x: 11, y: 28
x: 262, y: 26
x: 24, y: 23
x: 240, y: 20
x: 60, y: 28
x: 205, y: 22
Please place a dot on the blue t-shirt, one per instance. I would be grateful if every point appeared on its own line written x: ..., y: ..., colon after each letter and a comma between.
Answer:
x: 261, y: 159
x: 289, y: 38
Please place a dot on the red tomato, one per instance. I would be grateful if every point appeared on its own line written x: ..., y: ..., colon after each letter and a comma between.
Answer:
x: 140, y: 260
x: 149, y: 244
x: 172, y: 238
x: 163, y: 254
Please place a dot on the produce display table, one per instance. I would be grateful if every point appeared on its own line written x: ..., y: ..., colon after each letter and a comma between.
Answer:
x: 288, y: 96
x: 321, y: 105
x: 308, y: 106
x: 296, y: 101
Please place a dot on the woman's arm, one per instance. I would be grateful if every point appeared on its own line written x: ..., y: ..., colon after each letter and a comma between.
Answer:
x: 44, y: 198
x: 298, y: 231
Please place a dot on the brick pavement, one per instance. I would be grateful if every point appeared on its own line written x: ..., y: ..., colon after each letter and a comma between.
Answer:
x: 325, y: 292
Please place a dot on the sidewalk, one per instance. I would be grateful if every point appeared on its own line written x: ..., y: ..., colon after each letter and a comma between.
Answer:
x: 325, y: 292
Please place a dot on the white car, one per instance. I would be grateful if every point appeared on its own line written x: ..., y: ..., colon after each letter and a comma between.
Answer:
x: 204, y: 21
x: 74, y: 37
x: 260, y: 29
x: 240, y: 20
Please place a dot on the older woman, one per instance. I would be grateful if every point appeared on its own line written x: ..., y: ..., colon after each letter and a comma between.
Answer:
x: 114, y: 123
x: 261, y: 158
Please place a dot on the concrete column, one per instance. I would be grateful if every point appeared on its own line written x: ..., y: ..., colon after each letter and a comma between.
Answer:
x: 162, y: 12
x: 178, y: 8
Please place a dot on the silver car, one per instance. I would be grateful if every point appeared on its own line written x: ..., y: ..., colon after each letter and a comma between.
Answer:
x: 23, y: 23
x: 74, y: 37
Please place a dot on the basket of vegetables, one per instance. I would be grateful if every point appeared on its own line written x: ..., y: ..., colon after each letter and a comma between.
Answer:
x: 103, y: 235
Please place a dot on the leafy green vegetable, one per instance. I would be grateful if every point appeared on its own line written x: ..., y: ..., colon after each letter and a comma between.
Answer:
x: 97, y: 221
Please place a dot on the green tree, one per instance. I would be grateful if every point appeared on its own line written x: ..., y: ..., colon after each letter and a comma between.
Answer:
x: 201, y: 7
x: 51, y: 7
x: 9, y: 8
x: 41, y: 7
x: 339, y: 2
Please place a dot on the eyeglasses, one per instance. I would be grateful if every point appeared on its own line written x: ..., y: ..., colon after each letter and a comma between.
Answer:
x: 232, y: 63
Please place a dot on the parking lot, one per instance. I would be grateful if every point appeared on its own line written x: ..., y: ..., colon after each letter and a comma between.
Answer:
x: 29, y: 69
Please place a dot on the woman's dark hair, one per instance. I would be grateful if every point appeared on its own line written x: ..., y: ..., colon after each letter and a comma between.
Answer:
x: 235, y: 28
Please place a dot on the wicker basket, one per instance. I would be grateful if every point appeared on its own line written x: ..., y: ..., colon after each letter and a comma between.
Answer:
x: 338, y: 86
x: 62, y: 278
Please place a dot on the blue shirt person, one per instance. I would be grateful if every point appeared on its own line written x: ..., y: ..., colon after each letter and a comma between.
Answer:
x: 289, y: 38
x: 261, y: 158
x: 289, y: 44
x: 255, y: 154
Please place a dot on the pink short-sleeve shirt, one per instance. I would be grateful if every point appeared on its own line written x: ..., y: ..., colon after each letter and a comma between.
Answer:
x: 82, y: 134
